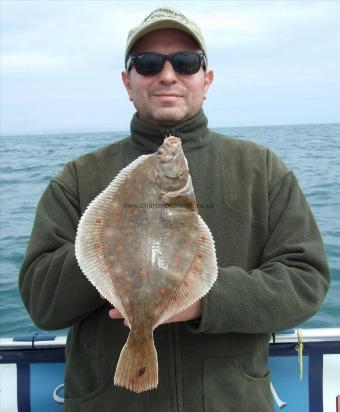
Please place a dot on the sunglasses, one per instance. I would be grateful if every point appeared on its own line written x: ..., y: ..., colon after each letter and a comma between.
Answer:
x: 149, y: 64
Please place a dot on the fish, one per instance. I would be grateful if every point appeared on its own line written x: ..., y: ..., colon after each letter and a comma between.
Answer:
x: 144, y: 247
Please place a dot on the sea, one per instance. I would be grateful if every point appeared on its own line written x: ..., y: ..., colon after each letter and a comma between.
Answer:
x: 28, y: 162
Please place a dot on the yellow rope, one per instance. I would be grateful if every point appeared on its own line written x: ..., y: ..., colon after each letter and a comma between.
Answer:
x: 299, y: 348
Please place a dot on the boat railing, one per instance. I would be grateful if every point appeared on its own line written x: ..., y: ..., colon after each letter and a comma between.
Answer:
x: 46, y: 340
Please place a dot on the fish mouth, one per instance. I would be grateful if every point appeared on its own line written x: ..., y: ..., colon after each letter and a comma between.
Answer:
x: 169, y: 148
x: 172, y: 141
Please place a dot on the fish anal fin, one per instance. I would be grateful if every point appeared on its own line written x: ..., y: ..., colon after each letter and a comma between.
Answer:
x: 199, y: 278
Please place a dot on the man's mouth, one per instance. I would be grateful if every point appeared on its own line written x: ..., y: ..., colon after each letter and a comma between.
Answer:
x: 167, y: 95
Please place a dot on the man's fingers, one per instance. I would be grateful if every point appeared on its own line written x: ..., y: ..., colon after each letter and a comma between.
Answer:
x: 115, y: 314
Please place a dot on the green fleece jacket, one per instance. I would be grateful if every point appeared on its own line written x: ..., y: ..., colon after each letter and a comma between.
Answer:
x: 273, y: 275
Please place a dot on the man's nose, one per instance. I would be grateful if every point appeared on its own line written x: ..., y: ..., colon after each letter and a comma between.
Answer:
x: 168, y: 74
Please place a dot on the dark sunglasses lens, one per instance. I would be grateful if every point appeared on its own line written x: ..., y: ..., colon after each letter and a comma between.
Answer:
x: 148, y: 64
x: 186, y: 63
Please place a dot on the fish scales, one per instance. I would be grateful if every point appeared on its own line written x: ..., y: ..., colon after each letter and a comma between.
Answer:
x: 145, y: 248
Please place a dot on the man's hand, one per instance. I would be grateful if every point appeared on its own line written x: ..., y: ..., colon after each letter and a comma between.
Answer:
x: 192, y: 312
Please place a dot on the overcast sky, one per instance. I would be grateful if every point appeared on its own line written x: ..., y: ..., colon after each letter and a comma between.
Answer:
x: 275, y: 62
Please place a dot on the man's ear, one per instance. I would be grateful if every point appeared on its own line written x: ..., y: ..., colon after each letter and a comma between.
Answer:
x: 126, y: 81
x: 208, y: 79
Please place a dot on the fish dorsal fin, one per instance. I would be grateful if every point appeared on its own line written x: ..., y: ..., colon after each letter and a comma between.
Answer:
x: 89, y: 239
x: 199, y: 278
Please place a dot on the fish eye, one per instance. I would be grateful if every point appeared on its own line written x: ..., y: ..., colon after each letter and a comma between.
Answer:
x: 161, y: 151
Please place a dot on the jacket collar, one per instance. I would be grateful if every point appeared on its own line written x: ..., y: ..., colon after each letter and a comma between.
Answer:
x: 146, y: 137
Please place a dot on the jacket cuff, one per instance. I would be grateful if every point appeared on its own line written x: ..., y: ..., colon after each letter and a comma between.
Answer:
x: 212, y: 302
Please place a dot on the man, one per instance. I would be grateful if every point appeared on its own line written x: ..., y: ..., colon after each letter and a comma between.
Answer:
x: 273, y: 272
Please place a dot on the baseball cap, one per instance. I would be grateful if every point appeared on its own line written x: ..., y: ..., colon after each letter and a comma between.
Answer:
x: 164, y: 18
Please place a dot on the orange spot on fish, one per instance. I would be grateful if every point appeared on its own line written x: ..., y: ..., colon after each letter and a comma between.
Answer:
x: 177, y: 261
x: 97, y: 245
x: 162, y: 291
x: 125, y: 287
x: 142, y: 272
x: 145, y: 221
x: 99, y: 221
x: 202, y: 237
x: 120, y: 248
x: 116, y: 216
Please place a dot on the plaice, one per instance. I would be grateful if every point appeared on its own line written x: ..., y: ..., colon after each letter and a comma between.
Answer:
x: 143, y: 245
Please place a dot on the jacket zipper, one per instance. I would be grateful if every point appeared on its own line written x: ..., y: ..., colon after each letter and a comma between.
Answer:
x: 177, y: 368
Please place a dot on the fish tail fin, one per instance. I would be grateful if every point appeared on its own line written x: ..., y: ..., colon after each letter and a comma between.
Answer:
x: 137, y: 368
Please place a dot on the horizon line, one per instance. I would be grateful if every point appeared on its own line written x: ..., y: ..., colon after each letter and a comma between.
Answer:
x: 102, y: 130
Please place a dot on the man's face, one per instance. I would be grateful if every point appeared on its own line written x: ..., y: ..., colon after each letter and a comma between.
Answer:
x: 167, y: 98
